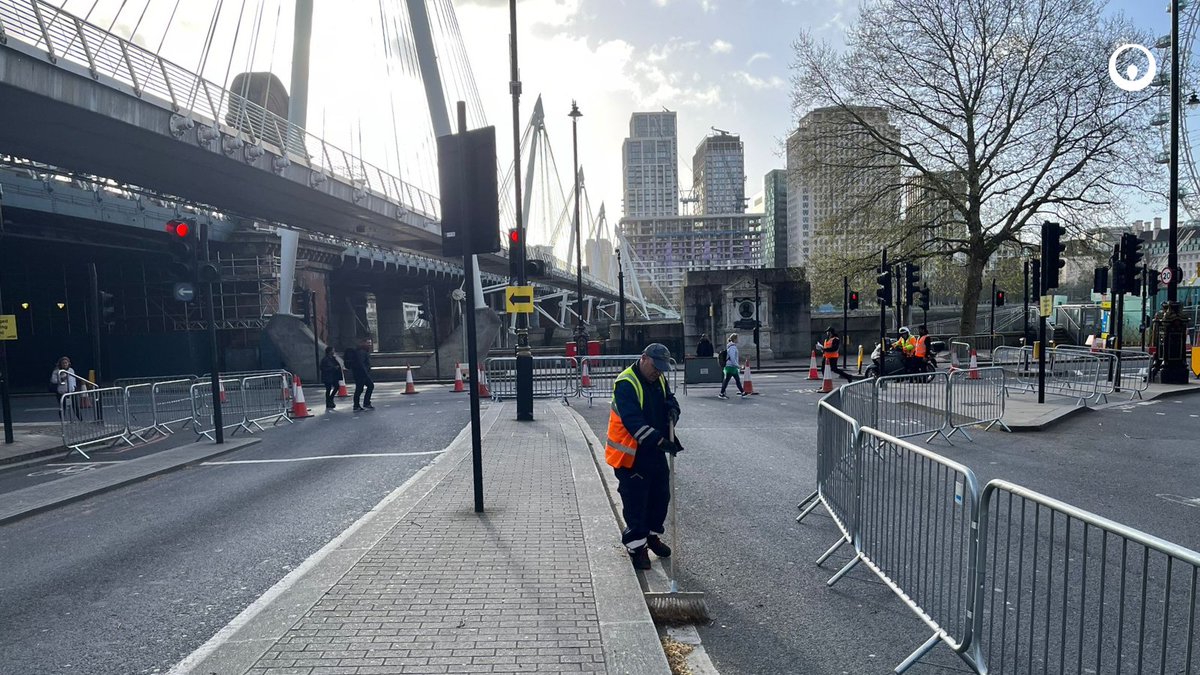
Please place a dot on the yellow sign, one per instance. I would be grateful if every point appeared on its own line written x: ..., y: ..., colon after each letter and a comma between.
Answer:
x: 518, y: 299
x: 8, y: 326
x: 1046, y: 305
x: 1107, y: 304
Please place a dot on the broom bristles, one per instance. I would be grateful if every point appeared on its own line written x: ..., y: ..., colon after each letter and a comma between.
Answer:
x: 677, y: 608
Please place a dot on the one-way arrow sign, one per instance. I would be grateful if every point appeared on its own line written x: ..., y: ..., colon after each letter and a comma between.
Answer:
x: 518, y: 299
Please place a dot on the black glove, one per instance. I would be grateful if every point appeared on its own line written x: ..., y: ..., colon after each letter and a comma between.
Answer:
x: 673, y: 447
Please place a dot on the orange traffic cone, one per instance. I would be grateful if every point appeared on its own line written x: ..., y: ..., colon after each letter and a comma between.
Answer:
x: 585, y: 379
x: 813, y: 373
x: 341, y: 392
x: 224, y: 399
x: 483, y: 388
x: 973, y: 373
x: 827, y: 384
x: 409, y: 387
x: 748, y: 385
x: 299, y: 407
x: 458, y: 381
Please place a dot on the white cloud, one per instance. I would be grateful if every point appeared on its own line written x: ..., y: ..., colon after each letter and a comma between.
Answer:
x: 758, y: 56
x: 758, y: 83
x: 720, y: 46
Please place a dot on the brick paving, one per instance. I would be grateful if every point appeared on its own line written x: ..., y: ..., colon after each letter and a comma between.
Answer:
x: 446, y: 590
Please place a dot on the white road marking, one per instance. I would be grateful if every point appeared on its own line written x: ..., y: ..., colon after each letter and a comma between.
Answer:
x: 306, y: 459
x: 1180, y: 500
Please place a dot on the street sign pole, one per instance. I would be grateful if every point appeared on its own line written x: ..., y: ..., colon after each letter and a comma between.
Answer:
x: 524, y: 353
x: 992, y: 329
x: 433, y: 324
x: 215, y: 378
x: 312, y: 313
x: 472, y: 347
x: 845, y: 317
x: 883, y: 269
x: 757, y: 325
x: 5, y: 404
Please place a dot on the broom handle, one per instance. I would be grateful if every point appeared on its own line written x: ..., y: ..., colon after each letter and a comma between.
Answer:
x: 674, y: 518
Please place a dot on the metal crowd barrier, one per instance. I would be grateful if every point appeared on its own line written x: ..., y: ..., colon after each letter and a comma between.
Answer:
x: 913, y: 405
x: 1011, y: 580
x: 233, y: 409
x: 976, y: 397
x: 123, y: 382
x: 603, y: 372
x: 1073, y: 374
x: 1128, y: 369
x: 139, y: 410
x: 264, y: 401
x: 93, y: 416
x: 917, y: 514
x: 553, y: 377
x: 1065, y: 590
x: 172, y: 404
x: 960, y: 354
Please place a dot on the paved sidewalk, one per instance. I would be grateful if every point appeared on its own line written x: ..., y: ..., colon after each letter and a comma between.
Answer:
x: 1022, y: 412
x: 422, y: 584
x: 31, y: 441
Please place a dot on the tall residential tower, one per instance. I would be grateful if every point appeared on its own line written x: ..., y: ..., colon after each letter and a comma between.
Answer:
x: 719, y: 174
x: 651, y: 166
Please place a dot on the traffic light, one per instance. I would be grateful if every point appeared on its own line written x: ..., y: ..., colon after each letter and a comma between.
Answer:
x: 535, y: 268
x: 1131, y: 255
x: 999, y: 298
x: 1052, y: 250
x: 923, y: 303
x: 515, y: 256
x: 912, y: 279
x: 1100, y: 280
x: 182, y: 247
x: 1035, y: 269
x: 884, y: 293
x: 108, y: 307
x: 1151, y: 283
x: 852, y: 302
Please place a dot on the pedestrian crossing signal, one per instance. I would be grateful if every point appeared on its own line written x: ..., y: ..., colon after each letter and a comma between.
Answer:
x: 853, y: 300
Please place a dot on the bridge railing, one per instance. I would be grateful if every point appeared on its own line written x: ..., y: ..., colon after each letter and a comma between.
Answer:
x: 120, y: 63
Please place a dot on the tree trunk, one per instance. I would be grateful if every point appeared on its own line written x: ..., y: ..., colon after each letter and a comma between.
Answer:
x: 971, y: 292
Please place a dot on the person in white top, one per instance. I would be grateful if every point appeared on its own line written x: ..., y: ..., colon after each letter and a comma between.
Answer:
x: 732, y: 370
x: 63, y: 382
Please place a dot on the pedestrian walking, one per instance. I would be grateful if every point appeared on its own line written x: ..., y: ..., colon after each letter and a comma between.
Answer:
x: 704, y: 349
x: 359, y: 362
x: 640, y: 422
x: 63, y: 381
x: 729, y: 360
x: 831, y: 350
x: 331, y: 376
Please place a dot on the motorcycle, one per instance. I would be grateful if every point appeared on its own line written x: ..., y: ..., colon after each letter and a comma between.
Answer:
x: 896, y: 363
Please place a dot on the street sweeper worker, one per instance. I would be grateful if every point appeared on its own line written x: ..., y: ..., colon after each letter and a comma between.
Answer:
x: 640, y: 418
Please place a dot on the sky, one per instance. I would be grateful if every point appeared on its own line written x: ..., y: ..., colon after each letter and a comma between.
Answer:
x: 718, y: 63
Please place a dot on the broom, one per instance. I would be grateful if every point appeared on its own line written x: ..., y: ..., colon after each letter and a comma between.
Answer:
x: 676, y: 606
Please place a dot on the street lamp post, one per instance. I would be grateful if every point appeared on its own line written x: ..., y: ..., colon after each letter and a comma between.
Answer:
x: 621, y: 297
x: 580, y: 330
x: 524, y: 353
x: 1171, y: 325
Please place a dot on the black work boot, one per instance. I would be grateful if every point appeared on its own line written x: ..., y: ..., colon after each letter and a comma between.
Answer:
x: 660, y: 549
x: 640, y: 558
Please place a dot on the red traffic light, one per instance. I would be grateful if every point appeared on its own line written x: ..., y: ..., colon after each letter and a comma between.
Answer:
x: 179, y: 228
x: 514, y: 236
x: 854, y: 296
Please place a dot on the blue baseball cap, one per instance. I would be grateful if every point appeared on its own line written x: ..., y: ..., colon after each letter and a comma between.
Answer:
x: 660, y: 355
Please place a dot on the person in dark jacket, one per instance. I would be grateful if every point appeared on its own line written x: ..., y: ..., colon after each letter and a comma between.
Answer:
x: 331, y: 375
x: 704, y: 349
x: 359, y: 363
x: 640, y: 422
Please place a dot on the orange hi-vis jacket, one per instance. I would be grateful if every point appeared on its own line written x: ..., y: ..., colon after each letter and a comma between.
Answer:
x: 921, y: 346
x: 621, y: 448
x: 831, y: 348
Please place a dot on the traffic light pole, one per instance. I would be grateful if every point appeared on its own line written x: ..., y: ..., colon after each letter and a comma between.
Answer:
x: 1025, y: 306
x: 845, y: 316
x: 1145, y: 292
x: 94, y: 289
x: 883, y: 267
x: 621, y: 297
x: 992, y: 329
x: 312, y: 313
x: 1171, y: 328
x: 468, y: 250
x: 215, y: 379
x: 757, y: 324
x: 433, y: 325
x: 524, y: 353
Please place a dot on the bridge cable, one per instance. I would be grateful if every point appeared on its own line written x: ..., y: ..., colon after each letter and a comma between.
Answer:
x: 244, y: 105
x: 388, y: 56
x: 204, y: 50
x: 170, y: 22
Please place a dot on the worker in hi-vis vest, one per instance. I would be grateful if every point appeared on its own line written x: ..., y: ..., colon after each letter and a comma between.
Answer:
x: 642, y: 411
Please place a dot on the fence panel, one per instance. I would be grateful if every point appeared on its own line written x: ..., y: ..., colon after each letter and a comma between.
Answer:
x: 264, y: 400
x: 172, y: 404
x: 976, y: 397
x: 233, y: 410
x: 1127, y: 369
x: 837, y: 470
x: 1075, y: 374
x: 553, y: 377
x: 916, y: 532
x: 93, y: 416
x: 860, y: 400
x: 139, y: 410
x: 130, y: 381
x: 912, y: 405
x: 1063, y: 590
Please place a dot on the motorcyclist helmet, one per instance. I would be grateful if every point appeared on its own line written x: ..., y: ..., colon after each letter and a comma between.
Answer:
x: 904, y: 330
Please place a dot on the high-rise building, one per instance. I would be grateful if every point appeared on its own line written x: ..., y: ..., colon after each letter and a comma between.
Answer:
x: 651, y: 166
x: 719, y: 174
x: 774, y: 224
x: 842, y: 188
x: 665, y: 249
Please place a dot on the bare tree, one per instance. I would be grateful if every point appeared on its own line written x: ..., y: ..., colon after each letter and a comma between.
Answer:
x: 1006, y: 116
